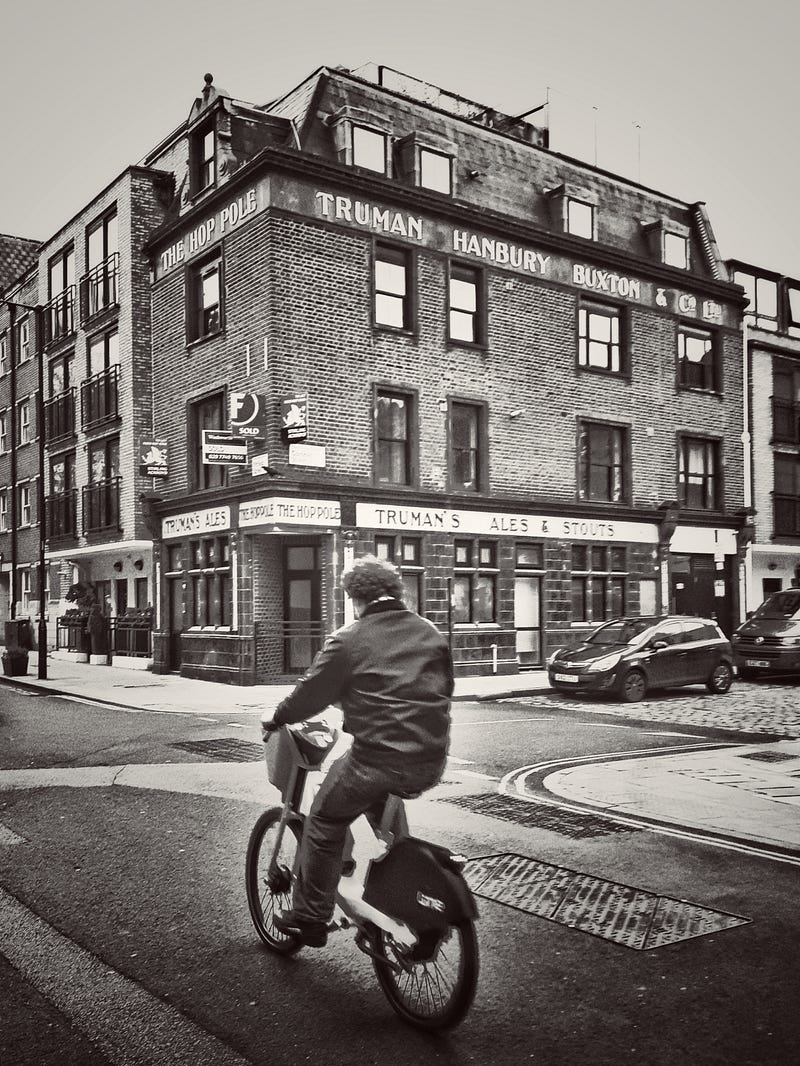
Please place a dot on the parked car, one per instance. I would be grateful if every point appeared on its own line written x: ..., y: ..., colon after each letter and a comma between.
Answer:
x: 769, y: 641
x: 628, y: 656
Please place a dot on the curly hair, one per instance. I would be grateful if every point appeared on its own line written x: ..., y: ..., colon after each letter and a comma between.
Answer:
x: 369, y: 578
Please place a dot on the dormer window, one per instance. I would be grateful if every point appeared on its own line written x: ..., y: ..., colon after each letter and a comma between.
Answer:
x: 369, y: 149
x: 435, y: 171
x: 676, y: 251
x: 204, y: 153
x: 580, y: 218
x: 573, y: 210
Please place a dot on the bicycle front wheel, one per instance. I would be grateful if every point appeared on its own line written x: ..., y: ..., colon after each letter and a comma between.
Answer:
x: 268, y: 875
x: 433, y: 986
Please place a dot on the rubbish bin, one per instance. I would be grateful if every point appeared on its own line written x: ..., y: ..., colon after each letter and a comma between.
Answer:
x: 19, y: 633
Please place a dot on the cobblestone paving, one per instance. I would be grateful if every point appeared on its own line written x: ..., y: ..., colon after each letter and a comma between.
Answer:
x: 760, y: 708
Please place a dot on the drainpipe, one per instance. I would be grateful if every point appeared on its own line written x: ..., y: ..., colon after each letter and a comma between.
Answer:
x: 746, y: 582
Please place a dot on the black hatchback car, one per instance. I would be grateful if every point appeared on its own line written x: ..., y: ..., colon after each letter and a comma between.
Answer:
x: 628, y: 656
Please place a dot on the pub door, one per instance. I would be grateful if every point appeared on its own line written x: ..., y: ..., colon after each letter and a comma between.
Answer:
x: 302, y: 606
x: 175, y: 608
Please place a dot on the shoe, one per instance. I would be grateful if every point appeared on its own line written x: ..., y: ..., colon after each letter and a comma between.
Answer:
x: 312, y: 934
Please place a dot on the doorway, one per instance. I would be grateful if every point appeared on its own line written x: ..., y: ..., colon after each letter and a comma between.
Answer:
x: 528, y: 620
x: 698, y: 588
x: 302, y: 611
x: 175, y: 608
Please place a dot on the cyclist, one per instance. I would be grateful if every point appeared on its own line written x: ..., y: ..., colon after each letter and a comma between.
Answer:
x: 392, y: 674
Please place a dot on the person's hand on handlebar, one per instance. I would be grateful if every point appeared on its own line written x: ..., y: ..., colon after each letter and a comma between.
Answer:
x: 268, y: 726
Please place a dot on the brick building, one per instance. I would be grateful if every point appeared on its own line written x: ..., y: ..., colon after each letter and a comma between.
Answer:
x: 80, y: 317
x: 772, y: 337
x: 518, y: 376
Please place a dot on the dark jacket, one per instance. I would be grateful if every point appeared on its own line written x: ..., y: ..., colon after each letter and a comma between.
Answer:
x: 392, y: 674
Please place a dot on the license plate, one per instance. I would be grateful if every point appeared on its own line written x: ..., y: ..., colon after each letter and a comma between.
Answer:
x: 756, y: 662
x: 564, y: 677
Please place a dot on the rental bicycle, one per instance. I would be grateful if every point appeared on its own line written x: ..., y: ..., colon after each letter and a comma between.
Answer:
x: 411, y: 908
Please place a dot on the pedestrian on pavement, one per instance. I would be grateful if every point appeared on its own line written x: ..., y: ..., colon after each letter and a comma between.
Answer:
x: 392, y: 674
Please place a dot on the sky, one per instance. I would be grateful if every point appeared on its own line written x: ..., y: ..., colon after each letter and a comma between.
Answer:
x: 695, y: 98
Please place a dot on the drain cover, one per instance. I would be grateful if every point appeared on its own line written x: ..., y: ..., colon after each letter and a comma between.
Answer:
x: 769, y: 756
x: 541, y: 816
x: 627, y: 916
x: 225, y: 749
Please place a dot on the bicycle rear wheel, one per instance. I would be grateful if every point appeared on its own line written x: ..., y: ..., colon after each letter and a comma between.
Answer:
x: 268, y: 877
x: 433, y: 986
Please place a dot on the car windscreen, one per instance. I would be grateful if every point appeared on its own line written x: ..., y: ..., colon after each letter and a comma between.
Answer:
x: 621, y: 632
x: 782, y: 605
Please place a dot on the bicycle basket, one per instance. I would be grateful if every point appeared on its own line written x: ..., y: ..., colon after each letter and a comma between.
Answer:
x: 304, y: 745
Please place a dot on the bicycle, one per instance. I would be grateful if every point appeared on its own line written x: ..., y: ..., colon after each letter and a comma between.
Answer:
x: 412, y: 910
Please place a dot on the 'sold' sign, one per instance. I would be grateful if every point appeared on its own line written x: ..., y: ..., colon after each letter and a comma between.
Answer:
x: 221, y: 447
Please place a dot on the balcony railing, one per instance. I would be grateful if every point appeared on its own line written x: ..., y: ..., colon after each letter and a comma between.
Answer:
x: 787, y: 515
x: 785, y: 421
x: 59, y: 413
x: 61, y: 510
x: 101, y: 505
x: 59, y: 316
x: 100, y: 398
x: 99, y: 288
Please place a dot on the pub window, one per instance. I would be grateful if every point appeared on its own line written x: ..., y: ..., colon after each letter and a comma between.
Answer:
x: 602, y: 459
x: 786, y: 497
x: 467, y: 453
x: 599, y: 337
x: 392, y: 283
x: 599, y: 573
x: 204, y: 293
x: 475, y: 582
x: 208, y: 413
x: 466, y: 305
x: 209, y: 583
x: 406, y: 554
x: 369, y: 149
x: 698, y: 465
x: 697, y: 359
x: 394, y: 440
x: 529, y: 557
x: 580, y: 218
x: 435, y: 171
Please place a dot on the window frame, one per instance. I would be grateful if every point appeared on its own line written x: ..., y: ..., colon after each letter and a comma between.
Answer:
x: 477, y: 568
x: 5, y: 365
x: 474, y: 275
x: 424, y: 150
x: 204, y: 573
x: 4, y: 499
x: 23, y: 347
x: 711, y: 482
x: 397, y: 255
x: 393, y: 547
x: 411, y: 448
x: 578, y: 202
x: 712, y: 368
x: 481, y: 410
x: 196, y: 272
x: 24, y: 505
x: 616, y: 314
x: 584, y: 468
x: 4, y: 430
x: 667, y: 237
x: 202, y: 476
x: 372, y: 131
x: 24, y: 434
x: 788, y: 502
x: 591, y: 584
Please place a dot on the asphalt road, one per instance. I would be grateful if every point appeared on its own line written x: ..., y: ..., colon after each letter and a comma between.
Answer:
x: 125, y: 938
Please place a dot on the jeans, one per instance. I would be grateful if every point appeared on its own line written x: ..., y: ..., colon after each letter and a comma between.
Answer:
x: 351, y: 788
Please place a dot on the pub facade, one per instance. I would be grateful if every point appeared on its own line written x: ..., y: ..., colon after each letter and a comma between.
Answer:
x: 381, y: 324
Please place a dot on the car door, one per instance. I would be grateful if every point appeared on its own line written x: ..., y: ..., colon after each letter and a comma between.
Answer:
x: 702, y: 651
x: 667, y: 665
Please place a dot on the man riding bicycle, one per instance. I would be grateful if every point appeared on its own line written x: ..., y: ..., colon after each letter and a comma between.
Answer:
x: 392, y: 674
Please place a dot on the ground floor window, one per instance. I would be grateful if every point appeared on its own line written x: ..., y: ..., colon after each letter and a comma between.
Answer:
x: 598, y: 582
x: 406, y: 554
x: 199, y: 572
x: 475, y: 581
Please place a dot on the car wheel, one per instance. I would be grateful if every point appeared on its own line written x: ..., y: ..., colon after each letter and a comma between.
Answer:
x: 634, y: 686
x: 721, y: 678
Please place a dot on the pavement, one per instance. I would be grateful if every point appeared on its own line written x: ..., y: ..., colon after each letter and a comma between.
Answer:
x: 729, y: 790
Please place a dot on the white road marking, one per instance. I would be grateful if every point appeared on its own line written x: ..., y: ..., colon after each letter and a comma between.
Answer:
x: 466, y: 762
x: 504, y: 721
x: 473, y: 773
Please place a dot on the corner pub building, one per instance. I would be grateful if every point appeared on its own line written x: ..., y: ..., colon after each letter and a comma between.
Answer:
x: 516, y: 375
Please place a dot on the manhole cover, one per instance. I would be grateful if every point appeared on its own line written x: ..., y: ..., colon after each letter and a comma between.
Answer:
x: 225, y: 749
x: 769, y: 756
x: 541, y: 816
x: 627, y: 916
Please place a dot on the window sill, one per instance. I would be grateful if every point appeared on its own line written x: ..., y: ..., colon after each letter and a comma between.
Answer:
x: 475, y: 346
x: 402, y: 331
x: 699, y: 390
x: 622, y: 375
x: 199, y: 341
x: 465, y: 626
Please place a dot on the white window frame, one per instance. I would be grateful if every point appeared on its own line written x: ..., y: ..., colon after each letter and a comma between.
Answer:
x: 4, y: 364
x: 676, y: 250
x: 3, y: 510
x: 3, y: 432
x: 356, y: 130
x: 24, y: 418
x: 25, y: 517
x: 434, y: 156
x: 575, y: 224
x: 24, y: 336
